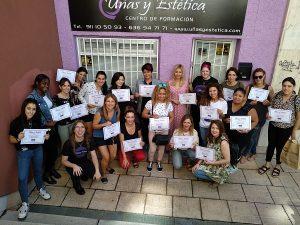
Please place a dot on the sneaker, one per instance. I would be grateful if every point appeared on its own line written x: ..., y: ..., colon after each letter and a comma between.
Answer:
x: 23, y: 211
x: 149, y: 167
x: 159, y: 167
x: 44, y: 194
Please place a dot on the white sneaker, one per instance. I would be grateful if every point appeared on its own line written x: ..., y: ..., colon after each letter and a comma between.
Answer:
x: 44, y: 194
x: 23, y: 211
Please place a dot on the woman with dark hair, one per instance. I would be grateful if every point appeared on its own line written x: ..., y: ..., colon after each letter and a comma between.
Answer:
x: 97, y: 87
x: 30, y: 118
x: 75, y: 157
x: 232, y: 79
x: 107, y: 115
x: 215, y: 171
x: 80, y: 78
x: 42, y: 96
x: 279, y: 132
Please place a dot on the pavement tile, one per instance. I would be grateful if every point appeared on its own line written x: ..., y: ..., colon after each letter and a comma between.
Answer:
x: 105, y: 200
x: 165, y: 158
x: 129, y: 183
x: 131, y: 202
x: 167, y: 171
x: 141, y: 170
x: 154, y: 185
x: 261, y: 150
x: 279, y: 195
x: 292, y: 213
x: 231, y: 192
x: 237, y: 177
x: 257, y: 193
x: 249, y: 165
x: 62, y: 182
x: 179, y: 187
x: 34, y: 196
x: 118, y: 170
x: 215, y: 210
x: 243, y: 212
x: 253, y: 177
x: 111, y: 185
x: 287, y: 180
x: 296, y: 177
x: 272, y: 214
x: 183, y: 173
x: 84, y: 184
x: 275, y: 181
x: 294, y: 194
x: 186, y: 207
x: 204, y: 190
x: 57, y: 196
x: 79, y: 201
x: 158, y: 205
x: 288, y: 169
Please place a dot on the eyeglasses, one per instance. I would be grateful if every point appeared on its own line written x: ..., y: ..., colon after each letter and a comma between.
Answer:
x: 162, y: 85
x: 258, y: 77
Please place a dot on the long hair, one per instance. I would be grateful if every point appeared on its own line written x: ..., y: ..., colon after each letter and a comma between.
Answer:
x: 156, y: 91
x: 179, y: 66
x: 72, y: 135
x: 104, y: 88
x: 36, y: 119
x: 185, y: 117
x: 206, y: 99
x: 79, y: 70
x: 103, y: 110
x: 220, y: 125
x: 115, y: 78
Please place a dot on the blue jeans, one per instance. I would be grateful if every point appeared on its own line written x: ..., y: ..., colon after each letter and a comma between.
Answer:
x: 178, y: 154
x: 24, y: 161
x: 254, y: 140
x: 203, y: 134
x: 200, y: 174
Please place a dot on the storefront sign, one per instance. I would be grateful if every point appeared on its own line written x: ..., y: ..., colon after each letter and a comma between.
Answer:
x: 162, y: 16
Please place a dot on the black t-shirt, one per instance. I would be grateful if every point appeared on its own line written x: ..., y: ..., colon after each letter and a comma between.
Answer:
x: 77, y: 156
x: 199, y: 84
x: 128, y: 136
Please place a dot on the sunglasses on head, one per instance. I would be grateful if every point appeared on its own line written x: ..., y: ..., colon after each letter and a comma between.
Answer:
x: 258, y: 77
x: 162, y: 85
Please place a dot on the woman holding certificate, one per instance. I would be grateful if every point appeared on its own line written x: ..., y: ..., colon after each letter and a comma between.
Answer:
x: 92, y: 94
x: 231, y: 83
x: 283, y: 124
x: 131, y: 141
x: 80, y: 78
x: 75, y: 159
x: 214, y: 169
x: 29, y: 120
x: 160, y: 112
x: 106, y: 116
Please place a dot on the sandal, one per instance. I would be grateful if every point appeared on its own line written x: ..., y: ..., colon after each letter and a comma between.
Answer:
x: 263, y: 170
x: 275, y: 172
x: 135, y: 165
x: 111, y: 171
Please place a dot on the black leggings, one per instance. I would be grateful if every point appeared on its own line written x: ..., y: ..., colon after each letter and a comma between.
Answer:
x: 88, y: 171
x: 50, y: 148
x: 277, y: 137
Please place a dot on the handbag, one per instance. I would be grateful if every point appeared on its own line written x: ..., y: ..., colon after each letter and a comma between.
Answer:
x: 160, y: 139
x: 290, y: 154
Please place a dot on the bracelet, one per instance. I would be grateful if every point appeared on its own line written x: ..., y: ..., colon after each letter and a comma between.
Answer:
x: 18, y: 140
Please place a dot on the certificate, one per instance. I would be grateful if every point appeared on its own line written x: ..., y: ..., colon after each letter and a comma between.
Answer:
x: 280, y: 115
x: 209, y: 113
x: 33, y: 136
x: 67, y: 74
x: 207, y: 154
x: 123, y: 95
x: 228, y: 94
x: 159, y: 124
x: 187, y: 98
x: 258, y: 94
x: 240, y: 122
x: 183, y: 142
x: 61, y: 112
x: 112, y: 130
x: 79, y: 111
x: 96, y: 99
x: 146, y: 90
x: 132, y: 144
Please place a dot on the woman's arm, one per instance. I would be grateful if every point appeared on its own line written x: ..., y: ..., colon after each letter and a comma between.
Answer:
x: 97, y: 174
x: 77, y: 170
x: 96, y: 120
x: 171, y: 117
x: 145, y: 114
x: 82, y: 93
x: 254, y: 117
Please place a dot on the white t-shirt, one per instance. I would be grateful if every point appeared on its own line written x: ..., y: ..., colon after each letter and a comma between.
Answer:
x: 220, y: 104
x: 161, y: 109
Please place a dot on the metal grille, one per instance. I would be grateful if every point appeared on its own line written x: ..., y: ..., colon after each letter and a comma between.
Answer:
x: 117, y: 55
x: 219, y: 53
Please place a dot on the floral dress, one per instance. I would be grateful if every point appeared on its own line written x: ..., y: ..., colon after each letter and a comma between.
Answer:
x: 217, y: 173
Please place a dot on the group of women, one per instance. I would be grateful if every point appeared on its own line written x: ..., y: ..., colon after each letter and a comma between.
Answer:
x: 76, y: 139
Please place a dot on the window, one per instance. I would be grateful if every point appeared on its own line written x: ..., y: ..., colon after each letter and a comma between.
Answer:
x: 219, y: 53
x: 117, y: 55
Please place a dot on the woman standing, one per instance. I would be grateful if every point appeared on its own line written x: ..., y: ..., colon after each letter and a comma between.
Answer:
x: 232, y: 79
x: 29, y: 118
x: 106, y: 116
x: 278, y: 132
x: 80, y: 78
x: 159, y: 106
x: 178, y: 85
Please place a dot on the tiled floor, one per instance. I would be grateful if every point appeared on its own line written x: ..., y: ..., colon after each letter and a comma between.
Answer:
x: 247, y: 198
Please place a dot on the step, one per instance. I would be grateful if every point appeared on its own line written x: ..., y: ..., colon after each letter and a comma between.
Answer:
x: 9, y: 222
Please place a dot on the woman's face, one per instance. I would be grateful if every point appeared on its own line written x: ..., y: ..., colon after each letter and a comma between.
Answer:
x: 178, y: 73
x: 65, y: 88
x: 110, y: 104
x: 213, y: 93
x: 120, y: 81
x: 43, y: 86
x: 259, y: 77
x: 215, y: 131
x: 130, y: 118
x: 186, y: 124
x: 81, y: 76
x: 287, y: 88
x: 30, y: 110
x: 79, y: 130
x: 238, y: 97
x: 232, y: 76
x: 162, y: 95
x: 147, y: 74
x: 100, y: 80
x: 205, y: 73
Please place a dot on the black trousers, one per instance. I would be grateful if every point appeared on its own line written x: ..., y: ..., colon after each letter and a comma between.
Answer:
x: 88, y: 171
x: 277, y: 137
x: 50, y: 148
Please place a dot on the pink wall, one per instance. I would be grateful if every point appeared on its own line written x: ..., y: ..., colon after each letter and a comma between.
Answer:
x: 258, y: 44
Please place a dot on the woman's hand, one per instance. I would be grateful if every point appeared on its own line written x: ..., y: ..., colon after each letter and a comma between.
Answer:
x: 220, y: 112
x: 21, y: 135
x: 125, y: 161
x: 142, y: 143
x: 97, y: 175
x: 107, y: 123
x: 91, y: 106
x: 266, y: 102
x: 77, y: 170
x: 196, y: 167
x: 47, y: 136
x: 155, y: 116
x: 171, y: 145
x: 243, y: 131
x: 210, y: 162
x: 227, y: 120
x: 131, y: 97
x: 136, y: 95
x: 50, y: 123
x: 254, y: 102
x: 268, y: 117
x: 176, y: 102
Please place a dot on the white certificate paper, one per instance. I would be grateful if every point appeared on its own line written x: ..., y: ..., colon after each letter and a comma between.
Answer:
x: 79, y: 111
x: 67, y: 74
x: 123, y: 95
x: 146, y: 90
x: 209, y: 113
x: 33, y: 136
x: 132, y: 144
x: 240, y: 122
x: 183, y: 142
x: 159, y: 124
x: 96, y: 99
x: 228, y: 94
x: 187, y: 98
x: 207, y: 154
x: 280, y: 115
x: 258, y: 94
x: 112, y: 130
x: 61, y: 112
